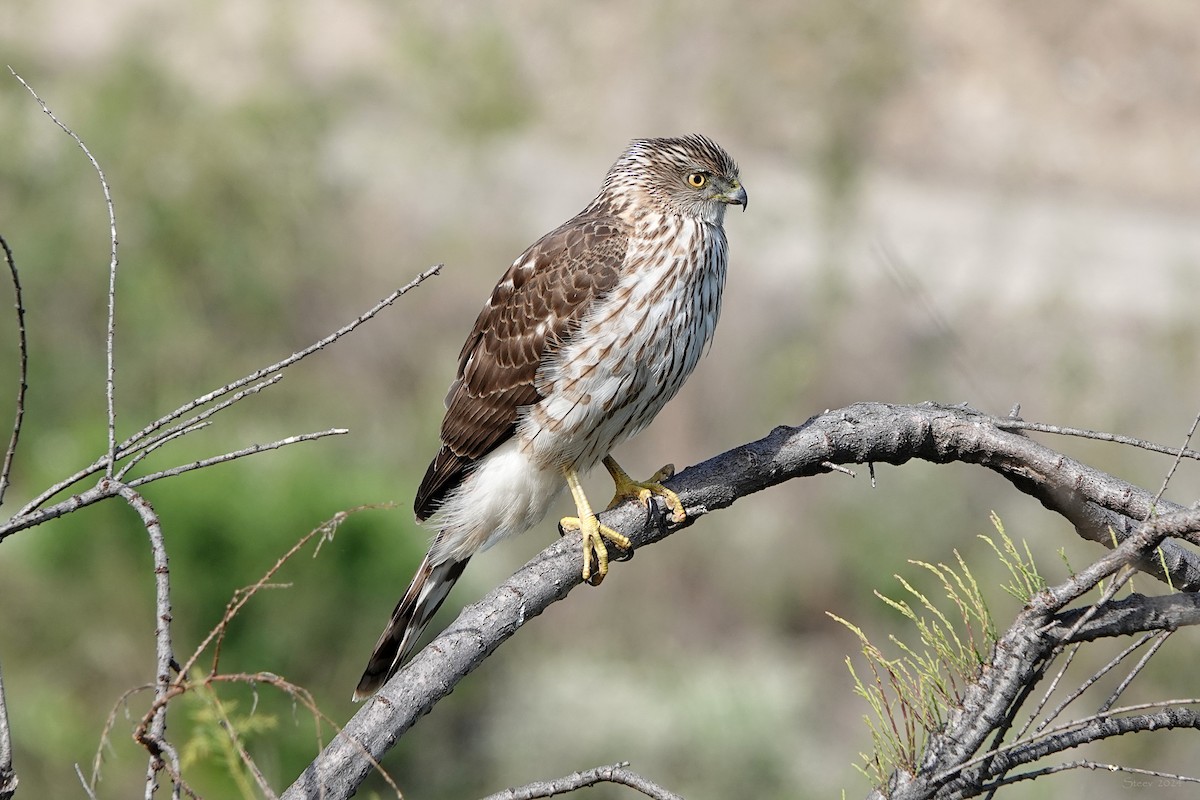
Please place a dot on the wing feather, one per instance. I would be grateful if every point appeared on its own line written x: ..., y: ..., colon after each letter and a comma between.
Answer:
x: 535, y: 307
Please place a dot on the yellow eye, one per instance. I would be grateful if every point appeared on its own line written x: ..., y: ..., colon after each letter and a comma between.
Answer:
x: 697, y: 180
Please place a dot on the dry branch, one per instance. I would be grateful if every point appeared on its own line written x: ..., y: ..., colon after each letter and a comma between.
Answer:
x: 22, y: 369
x: 953, y: 765
x: 616, y: 773
x: 112, y: 481
x: 862, y: 433
x: 8, y: 777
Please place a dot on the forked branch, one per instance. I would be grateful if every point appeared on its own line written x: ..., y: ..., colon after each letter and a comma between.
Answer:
x: 862, y: 433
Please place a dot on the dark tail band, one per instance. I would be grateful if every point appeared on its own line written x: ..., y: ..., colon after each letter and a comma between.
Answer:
x: 424, y: 597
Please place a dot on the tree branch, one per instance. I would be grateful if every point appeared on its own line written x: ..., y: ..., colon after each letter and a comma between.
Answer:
x: 617, y: 773
x: 111, y: 328
x: 140, y: 441
x: 8, y: 777
x: 950, y: 766
x: 154, y: 738
x: 862, y: 433
x: 22, y: 370
x: 1094, y: 730
x: 1128, y: 616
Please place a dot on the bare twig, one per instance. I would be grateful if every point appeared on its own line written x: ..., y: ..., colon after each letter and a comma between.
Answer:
x: 616, y: 773
x: 231, y: 731
x: 87, y: 788
x: 245, y: 451
x: 283, y: 363
x: 1172, y: 778
x: 144, y: 732
x: 110, y: 722
x: 244, y: 595
x: 106, y: 488
x: 917, y: 295
x: 1090, y: 681
x: 1173, y: 714
x: 22, y: 370
x: 1178, y: 458
x: 1159, y: 641
x: 159, y: 442
x: 1045, y: 699
x: 135, y: 443
x: 1061, y: 430
x: 8, y: 776
x: 162, y: 435
x: 112, y: 277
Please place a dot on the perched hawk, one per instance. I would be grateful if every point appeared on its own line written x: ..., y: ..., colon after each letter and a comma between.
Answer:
x: 583, y: 341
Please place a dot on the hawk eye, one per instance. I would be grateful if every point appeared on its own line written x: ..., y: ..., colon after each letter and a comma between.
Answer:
x: 697, y: 180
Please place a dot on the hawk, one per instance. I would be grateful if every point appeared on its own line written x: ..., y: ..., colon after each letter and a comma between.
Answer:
x: 583, y: 341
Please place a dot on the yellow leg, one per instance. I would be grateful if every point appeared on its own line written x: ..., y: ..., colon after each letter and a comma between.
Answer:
x: 592, y: 531
x: 629, y: 489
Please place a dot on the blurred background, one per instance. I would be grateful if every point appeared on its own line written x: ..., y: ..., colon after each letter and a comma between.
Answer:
x: 991, y: 203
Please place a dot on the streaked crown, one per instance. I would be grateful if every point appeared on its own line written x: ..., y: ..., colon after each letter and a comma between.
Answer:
x: 688, y: 175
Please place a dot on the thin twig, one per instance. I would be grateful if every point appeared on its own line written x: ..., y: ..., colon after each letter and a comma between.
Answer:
x: 181, y: 683
x: 1178, y: 458
x: 87, y: 788
x: 1093, y: 765
x: 1060, y: 430
x: 8, y: 777
x: 132, y: 443
x: 916, y: 294
x: 159, y: 442
x: 231, y: 731
x: 1091, y: 679
x: 1060, y: 734
x: 1058, y: 676
x: 616, y: 773
x: 108, y: 488
x: 170, y: 432
x: 284, y: 363
x: 112, y: 277
x: 1160, y: 640
x: 245, y: 451
x: 22, y: 369
x: 110, y: 722
x: 243, y: 595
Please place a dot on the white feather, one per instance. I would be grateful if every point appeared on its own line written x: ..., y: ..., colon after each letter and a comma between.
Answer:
x: 506, y: 494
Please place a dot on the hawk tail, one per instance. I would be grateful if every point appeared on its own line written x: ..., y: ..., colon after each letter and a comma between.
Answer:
x: 422, y: 600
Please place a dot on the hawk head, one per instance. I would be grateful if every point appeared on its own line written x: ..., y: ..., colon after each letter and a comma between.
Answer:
x: 688, y: 176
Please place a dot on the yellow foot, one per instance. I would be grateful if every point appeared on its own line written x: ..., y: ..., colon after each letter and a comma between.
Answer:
x: 629, y: 489
x: 595, y: 553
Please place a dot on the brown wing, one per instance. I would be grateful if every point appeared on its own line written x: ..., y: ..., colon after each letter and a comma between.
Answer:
x: 532, y: 310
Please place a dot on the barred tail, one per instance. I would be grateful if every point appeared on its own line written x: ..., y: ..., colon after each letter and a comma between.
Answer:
x: 422, y: 600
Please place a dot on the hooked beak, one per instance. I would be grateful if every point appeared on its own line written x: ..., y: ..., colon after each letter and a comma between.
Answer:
x: 738, y: 197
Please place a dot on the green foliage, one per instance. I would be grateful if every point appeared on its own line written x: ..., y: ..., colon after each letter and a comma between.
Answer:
x: 219, y: 733
x: 1026, y: 582
x: 910, y: 695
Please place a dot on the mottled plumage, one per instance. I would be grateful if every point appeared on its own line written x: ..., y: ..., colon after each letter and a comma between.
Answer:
x: 583, y: 341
